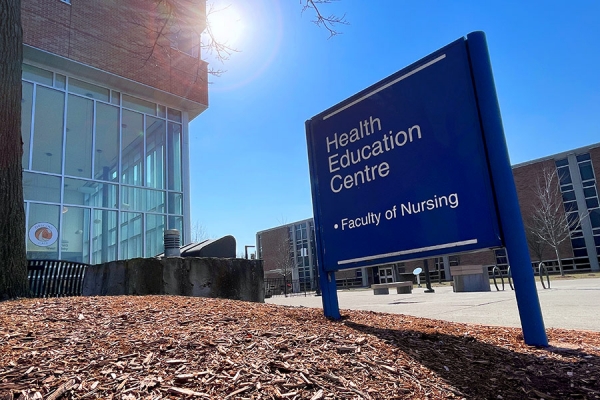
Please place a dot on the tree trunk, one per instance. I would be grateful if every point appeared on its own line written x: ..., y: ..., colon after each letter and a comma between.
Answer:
x: 13, y: 259
x: 560, y: 267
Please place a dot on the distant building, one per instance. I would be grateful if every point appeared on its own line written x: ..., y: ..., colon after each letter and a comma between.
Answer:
x: 577, y: 169
x: 288, y: 252
x: 106, y: 106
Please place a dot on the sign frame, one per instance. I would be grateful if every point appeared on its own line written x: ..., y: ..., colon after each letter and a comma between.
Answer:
x: 505, y: 201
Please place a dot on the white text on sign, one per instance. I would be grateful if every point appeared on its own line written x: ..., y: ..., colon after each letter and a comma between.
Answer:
x: 402, y: 210
x: 341, y: 159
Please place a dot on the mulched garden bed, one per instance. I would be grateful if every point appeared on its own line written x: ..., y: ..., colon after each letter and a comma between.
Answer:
x: 167, y: 347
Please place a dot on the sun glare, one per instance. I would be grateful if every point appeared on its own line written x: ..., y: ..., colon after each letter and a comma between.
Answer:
x: 226, y: 24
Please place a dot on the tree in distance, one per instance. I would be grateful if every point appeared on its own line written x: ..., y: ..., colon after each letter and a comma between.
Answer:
x: 550, y: 222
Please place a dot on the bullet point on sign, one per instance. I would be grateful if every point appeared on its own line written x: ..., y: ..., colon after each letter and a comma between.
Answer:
x: 335, y: 226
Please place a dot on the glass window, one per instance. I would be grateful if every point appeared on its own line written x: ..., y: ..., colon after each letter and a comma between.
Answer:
x: 162, y: 111
x: 140, y: 105
x: 88, y: 193
x: 115, y: 98
x: 174, y: 115
x: 26, y: 110
x: 577, y: 243
x: 132, y: 148
x: 568, y: 196
x: 41, y: 187
x: 572, y: 218
x: 595, y: 218
x: 562, y: 163
x: 571, y: 206
x: 60, y: 81
x: 48, y: 130
x: 106, y: 155
x: 583, y: 157
x: 42, y: 232
x: 155, y: 152
x: 88, y: 90
x: 176, y: 223
x: 75, y: 234
x: 38, y: 75
x: 137, y: 199
x: 580, y: 252
x: 104, y: 236
x: 131, y: 235
x: 175, y: 203
x: 155, y: 227
x: 80, y: 128
x: 587, y: 173
x: 592, y: 203
x: 564, y: 175
x: 589, y: 192
x: 174, y: 157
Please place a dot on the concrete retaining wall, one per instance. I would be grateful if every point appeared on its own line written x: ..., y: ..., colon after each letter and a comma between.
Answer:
x: 228, y: 278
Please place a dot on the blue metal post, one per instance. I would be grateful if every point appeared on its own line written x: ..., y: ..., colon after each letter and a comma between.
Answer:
x: 331, y: 308
x: 509, y: 212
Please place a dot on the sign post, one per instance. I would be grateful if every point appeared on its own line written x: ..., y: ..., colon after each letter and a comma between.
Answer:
x: 415, y: 167
x: 517, y: 251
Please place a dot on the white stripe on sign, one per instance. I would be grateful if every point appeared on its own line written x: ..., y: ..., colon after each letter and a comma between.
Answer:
x: 414, y: 71
x: 411, y: 251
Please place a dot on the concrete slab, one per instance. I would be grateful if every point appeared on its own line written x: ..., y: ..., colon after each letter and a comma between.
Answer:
x: 568, y: 304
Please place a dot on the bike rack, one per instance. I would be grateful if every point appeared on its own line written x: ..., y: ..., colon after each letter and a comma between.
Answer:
x: 542, y: 267
x: 543, y: 271
x: 496, y: 271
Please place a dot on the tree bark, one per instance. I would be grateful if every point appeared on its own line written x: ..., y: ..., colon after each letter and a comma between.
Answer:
x: 13, y: 258
x: 560, y: 267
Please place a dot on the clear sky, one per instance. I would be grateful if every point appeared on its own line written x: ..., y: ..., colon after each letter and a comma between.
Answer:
x: 249, y: 168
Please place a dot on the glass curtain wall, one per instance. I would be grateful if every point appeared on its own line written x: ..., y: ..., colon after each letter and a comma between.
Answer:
x: 102, y: 172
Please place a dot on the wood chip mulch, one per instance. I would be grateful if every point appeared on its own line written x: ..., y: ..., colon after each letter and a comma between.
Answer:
x: 166, y: 347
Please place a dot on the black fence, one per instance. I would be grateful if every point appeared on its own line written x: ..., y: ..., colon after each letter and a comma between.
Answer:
x: 51, y: 278
x: 289, y: 287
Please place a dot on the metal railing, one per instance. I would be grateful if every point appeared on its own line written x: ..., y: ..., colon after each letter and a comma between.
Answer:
x: 55, y: 278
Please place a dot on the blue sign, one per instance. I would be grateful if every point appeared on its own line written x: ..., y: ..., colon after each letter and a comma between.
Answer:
x: 417, y: 166
x: 399, y: 171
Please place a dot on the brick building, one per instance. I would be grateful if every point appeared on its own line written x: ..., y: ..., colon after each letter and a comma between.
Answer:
x: 109, y: 88
x: 576, y: 179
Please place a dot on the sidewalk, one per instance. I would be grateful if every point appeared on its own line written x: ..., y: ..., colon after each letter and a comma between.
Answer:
x: 569, y: 304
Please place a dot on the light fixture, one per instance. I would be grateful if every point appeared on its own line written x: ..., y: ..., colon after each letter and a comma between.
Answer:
x: 65, y: 209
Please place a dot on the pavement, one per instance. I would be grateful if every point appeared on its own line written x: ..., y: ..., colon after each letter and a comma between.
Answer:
x: 568, y: 304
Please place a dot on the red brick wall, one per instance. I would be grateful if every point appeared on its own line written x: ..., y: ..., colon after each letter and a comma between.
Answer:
x: 526, y: 178
x: 271, y: 242
x: 117, y: 36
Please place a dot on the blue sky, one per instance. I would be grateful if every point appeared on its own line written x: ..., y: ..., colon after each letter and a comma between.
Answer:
x: 249, y: 168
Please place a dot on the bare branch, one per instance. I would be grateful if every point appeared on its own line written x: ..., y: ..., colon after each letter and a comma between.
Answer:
x: 550, y: 222
x: 330, y: 22
x: 212, y: 45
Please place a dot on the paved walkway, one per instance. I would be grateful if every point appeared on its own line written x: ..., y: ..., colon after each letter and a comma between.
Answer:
x: 569, y: 304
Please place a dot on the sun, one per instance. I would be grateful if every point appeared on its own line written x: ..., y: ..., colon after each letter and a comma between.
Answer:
x: 225, y: 23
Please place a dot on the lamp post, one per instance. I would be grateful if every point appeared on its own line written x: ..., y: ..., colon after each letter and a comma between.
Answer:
x: 246, y: 250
